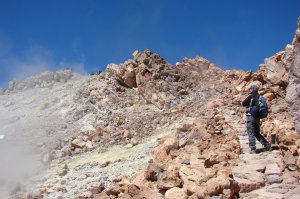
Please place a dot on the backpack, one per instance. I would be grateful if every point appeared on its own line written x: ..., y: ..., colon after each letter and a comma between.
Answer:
x: 258, y: 107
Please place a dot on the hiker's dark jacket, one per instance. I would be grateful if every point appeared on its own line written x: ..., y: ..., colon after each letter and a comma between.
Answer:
x: 247, y: 101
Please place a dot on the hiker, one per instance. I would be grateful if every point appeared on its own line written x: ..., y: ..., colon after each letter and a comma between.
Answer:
x: 253, y: 121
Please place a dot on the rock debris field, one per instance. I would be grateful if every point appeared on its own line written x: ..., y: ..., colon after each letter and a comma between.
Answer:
x: 148, y: 129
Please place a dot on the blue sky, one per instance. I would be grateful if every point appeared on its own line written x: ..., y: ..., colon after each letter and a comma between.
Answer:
x: 86, y: 35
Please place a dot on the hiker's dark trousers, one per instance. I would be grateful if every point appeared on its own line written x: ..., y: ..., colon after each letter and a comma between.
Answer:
x: 253, y: 130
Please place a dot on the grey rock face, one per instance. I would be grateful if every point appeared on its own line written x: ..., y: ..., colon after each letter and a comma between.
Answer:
x: 293, y: 89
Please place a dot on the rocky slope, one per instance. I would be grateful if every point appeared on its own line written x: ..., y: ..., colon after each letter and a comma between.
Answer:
x: 148, y: 129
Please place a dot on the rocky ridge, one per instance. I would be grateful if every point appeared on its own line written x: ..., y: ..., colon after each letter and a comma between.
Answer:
x: 194, y: 120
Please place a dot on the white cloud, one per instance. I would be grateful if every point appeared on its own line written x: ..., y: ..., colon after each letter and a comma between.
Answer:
x: 35, y: 60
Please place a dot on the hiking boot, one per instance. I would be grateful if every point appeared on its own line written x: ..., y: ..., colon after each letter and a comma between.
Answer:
x: 268, y: 147
x: 253, y: 151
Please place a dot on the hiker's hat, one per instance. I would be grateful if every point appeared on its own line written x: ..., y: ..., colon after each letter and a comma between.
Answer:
x: 254, y: 87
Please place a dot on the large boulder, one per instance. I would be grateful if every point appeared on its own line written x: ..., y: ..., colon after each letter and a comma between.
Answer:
x: 276, y: 72
x: 169, y: 179
x: 176, y: 193
x: 162, y: 153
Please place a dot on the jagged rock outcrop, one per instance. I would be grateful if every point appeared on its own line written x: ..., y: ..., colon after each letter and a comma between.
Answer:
x: 157, y: 81
x: 293, y: 89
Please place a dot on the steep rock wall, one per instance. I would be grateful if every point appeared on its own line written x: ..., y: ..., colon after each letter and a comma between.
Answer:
x: 293, y: 89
